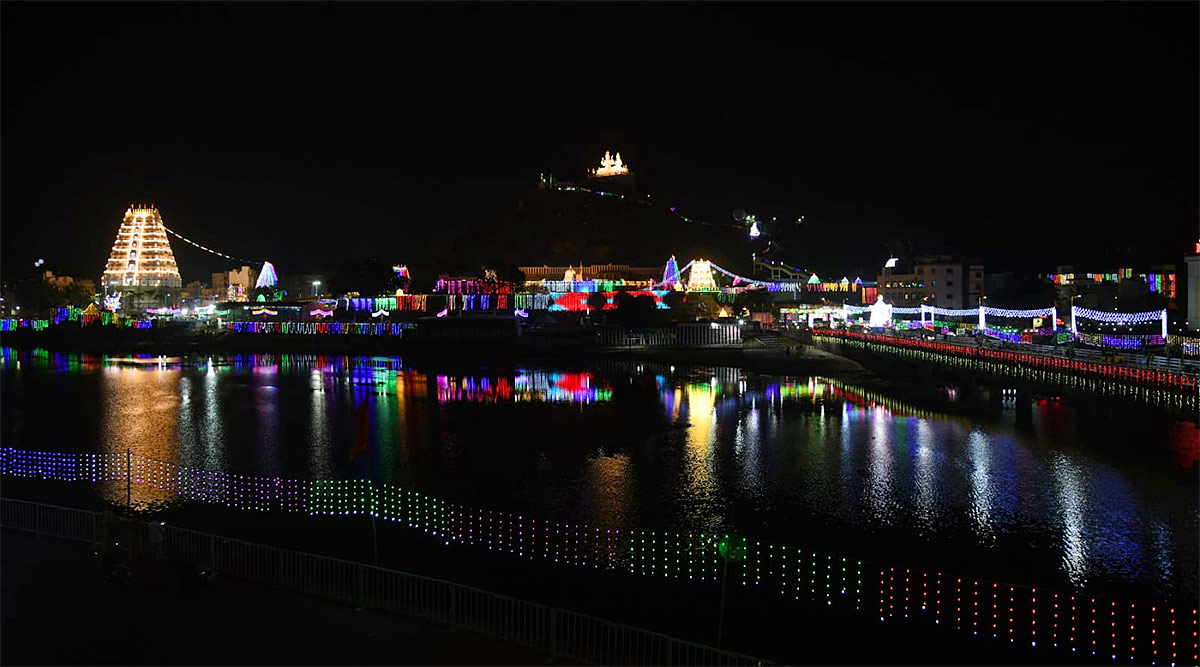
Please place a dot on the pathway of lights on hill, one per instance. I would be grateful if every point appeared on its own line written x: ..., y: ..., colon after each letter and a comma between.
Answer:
x: 1121, y: 631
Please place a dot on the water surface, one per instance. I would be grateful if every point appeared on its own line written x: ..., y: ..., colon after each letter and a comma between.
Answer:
x: 1031, y: 492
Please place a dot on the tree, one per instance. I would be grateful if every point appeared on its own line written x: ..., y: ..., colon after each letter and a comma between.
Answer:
x: 681, y: 307
x: 759, y: 300
x: 635, y: 310
x: 597, y: 301
x: 1023, y: 292
x: 268, y: 293
x: 507, y: 273
x: 36, y: 296
x: 370, y: 278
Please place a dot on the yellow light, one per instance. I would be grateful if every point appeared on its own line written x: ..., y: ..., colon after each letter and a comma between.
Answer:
x: 610, y: 166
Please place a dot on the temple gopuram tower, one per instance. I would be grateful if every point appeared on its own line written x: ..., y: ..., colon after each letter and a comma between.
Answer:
x: 141, y: 258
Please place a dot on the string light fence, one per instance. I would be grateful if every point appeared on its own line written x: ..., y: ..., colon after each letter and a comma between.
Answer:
x: 1158, y: 633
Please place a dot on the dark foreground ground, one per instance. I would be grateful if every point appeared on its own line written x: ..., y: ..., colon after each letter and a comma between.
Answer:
x: 58, y: 609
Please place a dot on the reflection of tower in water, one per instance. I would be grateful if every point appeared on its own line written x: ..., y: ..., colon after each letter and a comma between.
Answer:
x: 699, y: 447
x: 611, y: 489
x: 141, y: 416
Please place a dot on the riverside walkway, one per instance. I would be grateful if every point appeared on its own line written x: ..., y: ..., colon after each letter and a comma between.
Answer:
x: 1155, y: 370
x: 1165, y: 384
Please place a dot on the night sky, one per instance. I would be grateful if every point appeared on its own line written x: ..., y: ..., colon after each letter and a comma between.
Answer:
x: 1025, y: 134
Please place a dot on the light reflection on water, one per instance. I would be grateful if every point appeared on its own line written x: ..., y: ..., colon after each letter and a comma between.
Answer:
x: 1034, y: 488
x: 141, y: 415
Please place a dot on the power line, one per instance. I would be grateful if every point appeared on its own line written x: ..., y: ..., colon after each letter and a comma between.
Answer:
x: 206, y: 248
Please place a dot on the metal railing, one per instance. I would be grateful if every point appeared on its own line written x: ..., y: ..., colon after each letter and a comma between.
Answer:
x: 1185, y: 371
x: 1134, y: 358
x: 541, y: 627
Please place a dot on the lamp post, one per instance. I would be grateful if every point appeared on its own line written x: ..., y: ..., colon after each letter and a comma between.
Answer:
x: 316, y: 284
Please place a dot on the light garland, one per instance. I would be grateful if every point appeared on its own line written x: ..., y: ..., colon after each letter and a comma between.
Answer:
x: 1125, y: 342
x: 321, y: 328
x: 670, y: 273
x: 1120, y: 318
x: 1026, y: 314
x: 266, y: 277
x: 796, y: 573
x: 952, y: 312
x: 750, y: 281
x: 204, y: 248
x: 1067, y: 371
x: 578, y: 301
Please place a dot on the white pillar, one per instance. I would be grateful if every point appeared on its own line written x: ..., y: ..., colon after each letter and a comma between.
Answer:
x: 982, y: 319
x: 1074, y: 328
x: 1054, y: 318
x: 1164, y: 325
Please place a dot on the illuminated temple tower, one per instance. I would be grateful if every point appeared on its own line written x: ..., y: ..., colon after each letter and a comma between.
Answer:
x: 141, y: 256
x: 702, y: 277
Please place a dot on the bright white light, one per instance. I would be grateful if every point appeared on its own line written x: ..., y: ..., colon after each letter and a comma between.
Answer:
x: 881, y: 313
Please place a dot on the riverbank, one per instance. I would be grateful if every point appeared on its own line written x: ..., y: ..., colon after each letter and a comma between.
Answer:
x: 794, y: 360
x: 797, y: 361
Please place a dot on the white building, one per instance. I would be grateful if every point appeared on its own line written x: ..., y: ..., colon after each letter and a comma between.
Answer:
x: 1193, y: 291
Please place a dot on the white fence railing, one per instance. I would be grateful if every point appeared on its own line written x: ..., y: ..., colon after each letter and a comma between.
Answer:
x: 702, y: 334
x: 1128, y: 358
x: 577, y: 636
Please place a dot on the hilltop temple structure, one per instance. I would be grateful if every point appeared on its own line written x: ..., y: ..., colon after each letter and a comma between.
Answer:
x: 141, y: 257
x: 612, y: 174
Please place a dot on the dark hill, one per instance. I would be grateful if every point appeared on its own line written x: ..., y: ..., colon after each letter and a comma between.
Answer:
x: 559, y: 227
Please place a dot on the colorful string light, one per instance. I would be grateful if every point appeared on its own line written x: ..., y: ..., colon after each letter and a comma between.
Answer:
x: 795, y: 573
x: 321, y: 328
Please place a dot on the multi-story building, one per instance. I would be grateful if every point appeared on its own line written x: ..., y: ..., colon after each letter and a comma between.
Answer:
x: 245, y: 277
x: 192, y: 290
x: 637, y: 274
x: 232, y: 285
x: 934, y: 280
x: 1193, y: 290
x: 1158, y: 279
x: 1120, y: 288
